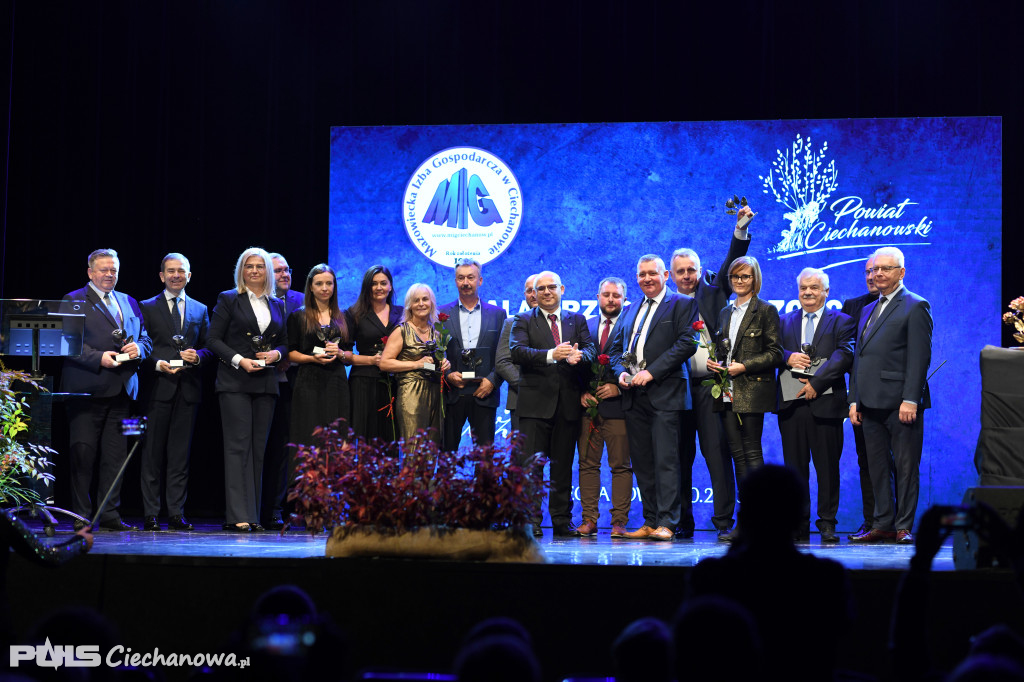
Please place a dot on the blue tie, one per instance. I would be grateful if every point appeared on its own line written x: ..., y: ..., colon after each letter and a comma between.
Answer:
x: 809, y: 328
x: 640, y: 327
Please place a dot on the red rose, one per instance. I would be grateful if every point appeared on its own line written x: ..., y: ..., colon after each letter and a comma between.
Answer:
x: 384, y: 340
x: 443, y: 317
x: 698, y: 325
x: 603, y: 359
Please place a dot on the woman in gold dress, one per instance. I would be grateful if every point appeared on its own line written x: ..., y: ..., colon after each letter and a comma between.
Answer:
x: 418, y: 399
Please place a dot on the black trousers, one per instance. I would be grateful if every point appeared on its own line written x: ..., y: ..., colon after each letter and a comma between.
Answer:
x: 702, y: 423
x: 744, y: 440
x: 168, y: 444
x: 480, y: 418
x: 277, y: 463
x: 94, y: 425
x: 806, y: 438
x: 894, y: 446
x: 245, y: 419
x: 654, y: 451
x: 556, y: 438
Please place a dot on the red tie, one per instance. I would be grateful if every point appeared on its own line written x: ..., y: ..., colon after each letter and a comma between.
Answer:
x: 554, y: 328
x: 604, y: 334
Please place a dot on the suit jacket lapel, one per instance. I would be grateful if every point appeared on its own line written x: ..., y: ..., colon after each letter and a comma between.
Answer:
x: 892, y: 305
x: 661, y: 311
x: 98, y: 303
x: 827, y: 317
x: 456, y: 323
x: 250, y: 315
x: 543, y: 326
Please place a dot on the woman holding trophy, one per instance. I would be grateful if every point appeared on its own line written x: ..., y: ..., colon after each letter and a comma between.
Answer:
x: 411, y: 354
x: 247, y: 333
x: 748, y: 346
x: 372, y: 318
x: 319, y: 342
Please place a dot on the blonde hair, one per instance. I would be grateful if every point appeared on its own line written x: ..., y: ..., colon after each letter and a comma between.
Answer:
x: 410, y: 293
x: 268, y: 286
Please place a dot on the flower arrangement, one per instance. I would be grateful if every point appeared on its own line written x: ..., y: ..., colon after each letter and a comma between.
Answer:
x: 343, y: 481
x: 1015, y: 318
x: 19, y: 461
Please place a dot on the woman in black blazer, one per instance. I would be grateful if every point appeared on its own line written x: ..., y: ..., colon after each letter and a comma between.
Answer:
x: 247, y: 333
x: 755, y: 352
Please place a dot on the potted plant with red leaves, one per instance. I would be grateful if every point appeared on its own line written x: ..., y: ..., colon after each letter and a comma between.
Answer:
x: 411, y: 499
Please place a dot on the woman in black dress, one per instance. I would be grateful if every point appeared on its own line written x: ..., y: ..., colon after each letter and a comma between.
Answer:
x: 320, y: 343
x: 372, y: 319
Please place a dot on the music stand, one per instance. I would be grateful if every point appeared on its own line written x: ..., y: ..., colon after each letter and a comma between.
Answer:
x: 39, y: 328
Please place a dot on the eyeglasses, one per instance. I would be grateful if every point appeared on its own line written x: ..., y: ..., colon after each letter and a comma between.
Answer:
x: 278, y: 271
x: 548, y: 287
x: 254, y: 266
x: 883, y: 268
x: 741, y: 278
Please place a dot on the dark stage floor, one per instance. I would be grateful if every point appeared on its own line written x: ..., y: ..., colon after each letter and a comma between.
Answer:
x: 208, y: 540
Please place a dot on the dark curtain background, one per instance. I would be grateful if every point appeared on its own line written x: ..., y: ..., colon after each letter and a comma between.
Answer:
x: 202, y: 126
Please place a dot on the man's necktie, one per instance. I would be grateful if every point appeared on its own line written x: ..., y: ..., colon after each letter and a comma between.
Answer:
x: 809, y: 328
x: 176, y: 314
x: 640, y: 327
x: 114, y: 312
x: 604, y: 333
x: 874, y: 315
x: 554, y: 328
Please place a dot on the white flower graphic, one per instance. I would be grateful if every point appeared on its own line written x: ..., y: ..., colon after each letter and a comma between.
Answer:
x: 799, y: 182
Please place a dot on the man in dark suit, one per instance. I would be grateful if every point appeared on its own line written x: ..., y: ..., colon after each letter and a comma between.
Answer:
x: 853, y: 308
x: 176, y: 392
x: 711, y: 293
x: 889, y: 393
x: 610, y: 426
x: 276, y: 465
x: 549, y: 344
x: 107, y: 371
x: 472, y: 324
x: 811, y: 420
x: 659, y: 332
x: 508, y: 370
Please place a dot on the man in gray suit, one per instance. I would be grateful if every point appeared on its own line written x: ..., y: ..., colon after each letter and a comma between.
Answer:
x: 508, y: 370
x: 889, y: 393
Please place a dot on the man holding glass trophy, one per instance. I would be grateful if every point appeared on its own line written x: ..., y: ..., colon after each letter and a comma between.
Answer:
x: 114, y: 342
x: 178, y: 325
x: 817, y: 350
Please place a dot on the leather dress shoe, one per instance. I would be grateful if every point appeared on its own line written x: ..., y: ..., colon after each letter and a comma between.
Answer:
x: 237, y: 527
x: 726, y: 535
x: 79, y: 525
x: 179, y: 523
x: 828, y: 533
x: 117, y: 524
x: 904, y: 537
x: 587, y: 529
x: 564, y: 530
x: 257, y: 528
x: 684, y: 534
x: 874, y: 535
x: 618, y: 531
x: 538, y: 532
x: 662, y: 533
x: 864, y: 529
x: 150, y: 523
x: 641, y: 533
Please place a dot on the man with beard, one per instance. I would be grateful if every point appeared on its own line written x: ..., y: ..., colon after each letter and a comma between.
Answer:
x: 609, y: 427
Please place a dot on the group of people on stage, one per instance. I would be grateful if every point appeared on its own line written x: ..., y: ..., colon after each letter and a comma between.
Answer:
x: 646, y: 380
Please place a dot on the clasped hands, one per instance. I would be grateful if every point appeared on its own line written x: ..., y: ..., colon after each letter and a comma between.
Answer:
x: 108, y: 361
x: 564, y: 351
x: 269, y: 357
x: 189, y: 355
x: 734, y: 368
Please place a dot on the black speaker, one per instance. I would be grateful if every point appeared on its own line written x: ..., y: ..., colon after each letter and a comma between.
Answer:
x: 969, y: 550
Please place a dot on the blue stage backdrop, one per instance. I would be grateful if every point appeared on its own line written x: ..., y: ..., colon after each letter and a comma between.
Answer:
x: 585, y: 200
